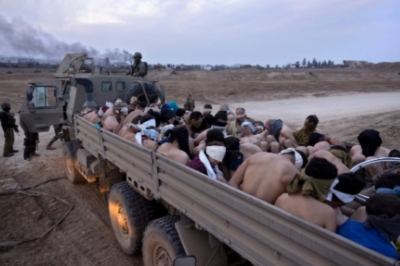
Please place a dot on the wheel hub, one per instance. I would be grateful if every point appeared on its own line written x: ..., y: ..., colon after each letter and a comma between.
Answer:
x: 123, y: 220
x: 161, y: 256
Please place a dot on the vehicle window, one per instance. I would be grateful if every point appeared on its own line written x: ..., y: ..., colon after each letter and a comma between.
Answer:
x: 120, y: 85
x: 44, y: 97
x: 67, y: 90
x: 106, y: 86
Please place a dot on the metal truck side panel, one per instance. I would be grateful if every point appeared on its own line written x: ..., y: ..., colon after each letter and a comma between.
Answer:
x: 260, y: 232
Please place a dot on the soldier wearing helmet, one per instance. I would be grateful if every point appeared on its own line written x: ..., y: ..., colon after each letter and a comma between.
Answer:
x: 138, y: 68
x: 8, y: 124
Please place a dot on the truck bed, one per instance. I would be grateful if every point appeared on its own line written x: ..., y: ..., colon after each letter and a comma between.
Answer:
x: 258, y: 231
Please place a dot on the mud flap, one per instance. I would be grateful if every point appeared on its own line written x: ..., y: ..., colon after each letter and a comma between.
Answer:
x: 109, y: 175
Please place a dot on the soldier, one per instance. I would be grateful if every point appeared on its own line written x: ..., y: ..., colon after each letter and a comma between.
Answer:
x: 189, y: 105
x: 138, y: 68
x: 57, y: 130
x: 9, y: 126
x: 30, y: 142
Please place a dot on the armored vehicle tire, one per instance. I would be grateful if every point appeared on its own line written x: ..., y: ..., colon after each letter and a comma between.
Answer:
x: 136, y: 90
x: 130, y: 213
x: 72, y: 174
x: 161, y: 242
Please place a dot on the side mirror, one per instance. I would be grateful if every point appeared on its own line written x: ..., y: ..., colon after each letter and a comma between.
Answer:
x: 188, y: 260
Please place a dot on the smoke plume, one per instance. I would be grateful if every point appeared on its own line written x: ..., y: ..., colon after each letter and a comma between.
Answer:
x: 21, y: 39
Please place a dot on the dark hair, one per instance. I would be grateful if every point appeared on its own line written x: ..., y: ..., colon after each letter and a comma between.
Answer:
x: 304, y: 157
x: 321, y: 168
x: 181, y: 134
x: 196, y: 115
x: 136, y: 119
x: 146, y: 118
x: 314, y: 138
x: 142, y: 104
x: 383, y: 204
x: 350, y: 183
x: 388, y: 180
x: 313, y: 119
x: 232, y: 143
x: 215, y: 135
x: 166, y: 115
x: 180, y: 112
x: 220, y: 118
x: 155, y: 115
x: 394, y: 153
x: 208, y: 106
x: 259, y: 123
x: 153, y: 98
x: 369, y: 140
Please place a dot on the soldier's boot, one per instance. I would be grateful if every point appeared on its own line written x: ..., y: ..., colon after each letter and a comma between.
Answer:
x: 27, y: 150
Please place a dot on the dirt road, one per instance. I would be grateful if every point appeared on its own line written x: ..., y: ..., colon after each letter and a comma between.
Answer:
x: 334, y: 107
x: 345, y: 100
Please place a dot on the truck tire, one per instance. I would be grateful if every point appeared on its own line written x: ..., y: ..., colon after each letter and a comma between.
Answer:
x: 70, y: 169
x: 136, y: 90
x: 161, y: 242
x: 130, y: 213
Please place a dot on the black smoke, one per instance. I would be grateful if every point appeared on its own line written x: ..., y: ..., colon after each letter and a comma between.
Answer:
x: 23, y: 40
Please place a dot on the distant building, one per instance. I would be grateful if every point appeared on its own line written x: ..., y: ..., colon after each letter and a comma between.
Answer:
x: 356, y: 64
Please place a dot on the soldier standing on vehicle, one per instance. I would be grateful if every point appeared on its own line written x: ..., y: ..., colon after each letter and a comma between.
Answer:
x: 189, y: 104
x: 8, y: 125
x: 138, y: 68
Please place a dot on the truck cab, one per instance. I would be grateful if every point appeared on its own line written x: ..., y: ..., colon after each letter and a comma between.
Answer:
x: 56, y: 101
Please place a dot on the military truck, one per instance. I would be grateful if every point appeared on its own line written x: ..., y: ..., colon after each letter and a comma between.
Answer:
x: 169, y: 212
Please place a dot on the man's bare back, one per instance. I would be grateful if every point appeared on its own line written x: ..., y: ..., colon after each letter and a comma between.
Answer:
x: 264, y: 175
x: 309, y: 209
x: 331, y: 158
x: 172, y: 152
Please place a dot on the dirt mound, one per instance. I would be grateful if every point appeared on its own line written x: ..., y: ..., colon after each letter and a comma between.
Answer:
x: 385, y: 66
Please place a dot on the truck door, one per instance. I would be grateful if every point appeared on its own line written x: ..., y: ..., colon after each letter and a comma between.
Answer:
x: 43, y: 106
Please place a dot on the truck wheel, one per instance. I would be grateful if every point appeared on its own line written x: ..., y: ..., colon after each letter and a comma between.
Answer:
x: 161, y: 242
x: 72, y: 174
x: 136, y: 90
x: 130, y: 213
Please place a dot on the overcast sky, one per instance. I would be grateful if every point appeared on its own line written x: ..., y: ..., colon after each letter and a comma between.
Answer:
x: 214, y: 31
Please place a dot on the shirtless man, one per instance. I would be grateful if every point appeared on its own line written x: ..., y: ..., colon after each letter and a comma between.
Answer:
x: 281, y: 133
x: 111, y: 122
x: 128, y: 119
x: 248, y: 136
x: 143, y: 134
x: 231, y: 115
x: 321, y: 212
x: 302, y: 135
x: 266, y: 175
x: 95, y: 117
x: 321, y: 141
x: 110, y: 111
x: 331, y: 158
x: 234, y: 127
x: 369, y: 148
x: 177, y: 147
x: 219, y: 122
x: 194, y: 123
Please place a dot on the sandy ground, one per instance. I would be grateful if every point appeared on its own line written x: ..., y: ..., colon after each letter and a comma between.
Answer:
x: 346, y: 100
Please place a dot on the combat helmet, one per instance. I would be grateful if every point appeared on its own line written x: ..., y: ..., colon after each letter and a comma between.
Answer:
x: 137, y: 55
x: 5, y: 106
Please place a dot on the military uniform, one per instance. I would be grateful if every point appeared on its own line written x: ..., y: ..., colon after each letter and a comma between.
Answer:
x: 57, y: 130
x: 30, y: 142
x: 189, y: 105
x: 8, y: 125
x: 138, y: 68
